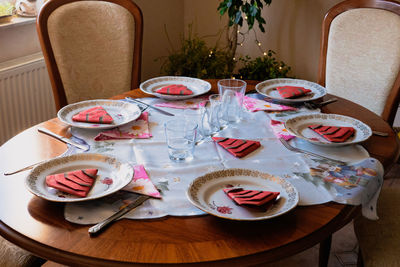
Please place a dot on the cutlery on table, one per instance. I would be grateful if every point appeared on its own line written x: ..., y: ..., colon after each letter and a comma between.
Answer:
x: 380, y: 133
x: 63, y: 139
x: 149, y: 106
x: 298, y: 150
x: 23, y: 169
x: 101, y: 225
x: 313, y: 105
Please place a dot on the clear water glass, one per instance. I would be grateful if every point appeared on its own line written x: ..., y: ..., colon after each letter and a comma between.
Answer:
x: 216, y: 105
x: 181, y: 137
x: 209, y: 124
x: 232, y: 92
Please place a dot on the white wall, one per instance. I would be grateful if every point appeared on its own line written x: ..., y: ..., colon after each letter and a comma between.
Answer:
x: 156, y: 15
x: 293, y: 30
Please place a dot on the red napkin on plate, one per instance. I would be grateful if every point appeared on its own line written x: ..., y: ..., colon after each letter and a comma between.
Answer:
x: 251, y: 197
x: 174, y: 89
x: 237, y: 147
x: 95, y: 115
x: 76, y: 183
x: 333, y: 133
x: 292, y: 91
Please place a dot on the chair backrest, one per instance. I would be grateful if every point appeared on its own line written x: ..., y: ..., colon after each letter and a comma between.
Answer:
x: 360, y: 54
x: 92, y: 48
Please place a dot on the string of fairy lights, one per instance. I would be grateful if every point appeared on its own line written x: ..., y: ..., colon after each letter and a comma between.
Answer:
x: 241, y: 43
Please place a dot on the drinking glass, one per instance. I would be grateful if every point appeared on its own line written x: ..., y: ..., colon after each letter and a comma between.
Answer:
x: 181, y: 137
x: 232, y: 92
x: 216, y: 105
x: 208, y: 124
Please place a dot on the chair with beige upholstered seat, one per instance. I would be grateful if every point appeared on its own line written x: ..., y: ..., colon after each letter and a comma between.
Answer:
x: 92, y: 48
x: 360, y: 61
x: 360, y: 54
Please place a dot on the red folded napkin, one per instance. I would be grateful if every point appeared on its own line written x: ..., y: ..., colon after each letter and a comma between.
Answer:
x: 76, y: 183
x: 94, y: 115
x: 251, y: 197
x: 237, y: 147
x: 175, y: 89
x: 292, y: 91
x: 333, y: 133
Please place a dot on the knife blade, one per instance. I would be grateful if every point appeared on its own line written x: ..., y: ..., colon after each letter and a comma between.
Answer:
x: 63, y: 139
x: 101, y: 225
x: 150, y: 106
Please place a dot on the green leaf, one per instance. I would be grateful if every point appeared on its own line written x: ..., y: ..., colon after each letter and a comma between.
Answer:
x: 238, y: 17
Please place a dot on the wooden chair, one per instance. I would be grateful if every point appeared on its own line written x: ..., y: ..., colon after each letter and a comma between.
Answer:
x: 360, y: 61
x: 92, y: 48
x: 360, y: 54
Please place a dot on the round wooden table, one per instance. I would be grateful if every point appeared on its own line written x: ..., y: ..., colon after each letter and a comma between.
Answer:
x: 39, y: 225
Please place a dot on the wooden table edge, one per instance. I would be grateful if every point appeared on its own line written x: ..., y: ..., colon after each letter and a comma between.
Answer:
x: 65, y: 257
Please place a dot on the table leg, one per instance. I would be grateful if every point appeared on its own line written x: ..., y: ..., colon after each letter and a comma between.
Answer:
x: 324, y: 250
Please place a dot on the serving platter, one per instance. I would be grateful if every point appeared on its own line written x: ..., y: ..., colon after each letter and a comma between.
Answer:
x: 197, y: 86
x: 122, y: 113
x: 112, y: 176
x: 298, y: 126
x: 268, y: 89
x: 206, y: 193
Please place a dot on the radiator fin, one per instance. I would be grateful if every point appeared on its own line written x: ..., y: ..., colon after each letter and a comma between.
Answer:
x: 26, y: 97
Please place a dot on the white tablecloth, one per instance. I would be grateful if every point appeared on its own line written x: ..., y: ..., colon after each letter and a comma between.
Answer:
x: 272, y: 157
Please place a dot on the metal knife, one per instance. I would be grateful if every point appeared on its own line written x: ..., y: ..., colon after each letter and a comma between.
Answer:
x: 101, y: 225
x: 63, y: 139
x: 150, y: 106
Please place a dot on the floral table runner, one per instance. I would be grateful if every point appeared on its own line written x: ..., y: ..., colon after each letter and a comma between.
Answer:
x: 316, y: 181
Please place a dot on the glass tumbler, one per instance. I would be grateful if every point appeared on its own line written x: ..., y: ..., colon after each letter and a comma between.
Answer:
x: 181, y: 138
x: 232, y: 92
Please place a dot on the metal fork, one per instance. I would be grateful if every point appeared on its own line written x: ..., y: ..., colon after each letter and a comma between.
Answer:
x: 312, y: 105
x: 298, y: 150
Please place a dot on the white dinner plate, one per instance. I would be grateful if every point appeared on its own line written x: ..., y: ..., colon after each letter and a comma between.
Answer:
x: 112, y: 176
x: 206, y: 193
x: 122, y: 112
x: 197, y: 86
x: 268, y: 88
x: 298, y: 126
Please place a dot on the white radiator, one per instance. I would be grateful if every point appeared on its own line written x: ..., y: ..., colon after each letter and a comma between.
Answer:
x: 26, y: 97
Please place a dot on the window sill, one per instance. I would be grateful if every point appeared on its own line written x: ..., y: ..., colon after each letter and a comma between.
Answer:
x: 17, y: 21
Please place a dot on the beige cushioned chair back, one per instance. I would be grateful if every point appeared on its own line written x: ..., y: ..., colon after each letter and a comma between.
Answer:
x: 363, y: 56
x: 93, y: 48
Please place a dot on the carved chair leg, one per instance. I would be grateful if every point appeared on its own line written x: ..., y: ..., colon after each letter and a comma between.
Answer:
x: 324, y: 251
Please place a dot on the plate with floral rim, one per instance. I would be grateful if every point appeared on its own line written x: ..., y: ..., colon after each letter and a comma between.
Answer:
x: 122, y: 113
x: 197, y: 86
x: 268, y: 89
x: 298, y: 126
x: 206, y: 193
x: 112, y: 176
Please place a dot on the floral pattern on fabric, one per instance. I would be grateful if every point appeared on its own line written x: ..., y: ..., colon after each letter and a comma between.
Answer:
x: 193, y: 103
x: 141, y: 183
x: 280, y: 130
x: 253, y: 104
x: 136, y: 129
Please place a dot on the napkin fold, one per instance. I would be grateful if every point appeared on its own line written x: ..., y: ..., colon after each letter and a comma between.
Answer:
x: 94, y: 115
x: 175, y: 89
x: 292, y: 91
x: 141, y: 183
x: 253, y: 104
x: 333, y: 133
x: 280, y: 131
x: 237, y: 147
x: 76, y: 183
x: 139, y: 128
x: 193, y: 103
x: 251, y: 197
